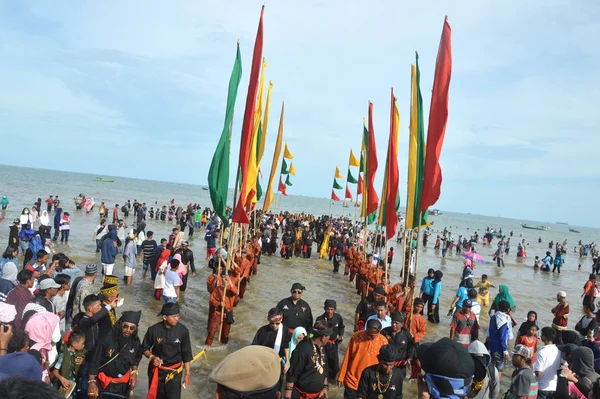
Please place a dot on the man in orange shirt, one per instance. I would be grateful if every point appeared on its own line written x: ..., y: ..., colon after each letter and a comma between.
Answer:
x: 219, y: 286
x: 349, y: 260
x: 361, y: 353
x: 245, y: 268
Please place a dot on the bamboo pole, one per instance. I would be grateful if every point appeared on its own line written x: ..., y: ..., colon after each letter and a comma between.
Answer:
x: 415, y: 272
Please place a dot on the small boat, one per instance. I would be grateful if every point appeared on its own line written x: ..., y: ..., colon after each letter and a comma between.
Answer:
x: 204, y: 188
x: 561, y: 223
x: 535, y: 227
x: 101, y: 180
x: 574, y: 231
x: 435, y: 212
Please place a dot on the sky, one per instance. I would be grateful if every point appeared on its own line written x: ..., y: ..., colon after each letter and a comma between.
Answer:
x: 138, y: 88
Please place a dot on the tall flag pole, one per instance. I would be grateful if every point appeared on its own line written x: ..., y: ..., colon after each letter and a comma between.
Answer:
x: 262, y: 139
x: 218, y: 174
x: 255, y: 142
x: 269, y: 194
x: 239, y: 215
x: 438, y: 118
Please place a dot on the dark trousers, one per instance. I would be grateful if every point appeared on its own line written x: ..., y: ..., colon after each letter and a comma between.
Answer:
x: 333, y: 361
x: 433, y: 315
x: 546, y: 394
x: 350, y: 393
x: 426, y: 301
x: 64, y: 235
x: 170, y: 390
x: 556, y: 267
x: 499, y: 261
x: 184, y: 280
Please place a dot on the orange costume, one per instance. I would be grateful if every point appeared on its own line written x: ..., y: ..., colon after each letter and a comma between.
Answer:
x: 245, y: 269
x: 361, y: 353
x: 418, y: 328
x: 216, y: 287
x: 349, y: 261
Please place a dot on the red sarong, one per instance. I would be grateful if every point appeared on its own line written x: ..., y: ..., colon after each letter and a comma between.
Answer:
x: 152, y: 391
x: 306, y: 395
x: 105, y: 380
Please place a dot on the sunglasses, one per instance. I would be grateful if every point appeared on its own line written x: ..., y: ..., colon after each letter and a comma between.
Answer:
x: 297, y: 292
x: 129, y: 327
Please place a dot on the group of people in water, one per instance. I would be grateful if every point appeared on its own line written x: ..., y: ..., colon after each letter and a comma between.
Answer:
x: 389, y: 343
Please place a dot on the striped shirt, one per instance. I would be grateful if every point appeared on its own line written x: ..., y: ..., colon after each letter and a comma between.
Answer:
x: 524, y: 384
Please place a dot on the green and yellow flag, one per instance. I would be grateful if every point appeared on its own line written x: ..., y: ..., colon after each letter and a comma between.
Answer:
x: 416, y: 153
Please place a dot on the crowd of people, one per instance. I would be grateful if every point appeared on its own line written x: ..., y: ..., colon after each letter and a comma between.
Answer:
x: 59, y: 323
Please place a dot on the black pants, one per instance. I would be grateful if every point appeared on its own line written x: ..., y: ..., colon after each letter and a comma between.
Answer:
x: 170, y: 390
x: 333, y: 361
x: 184, y: 280
x: 433, y: 315
x: 499, y: 261
x: 350, y: 393
x: 556, y: 267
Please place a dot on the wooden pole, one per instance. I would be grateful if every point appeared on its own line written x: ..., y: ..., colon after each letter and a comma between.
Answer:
x: 415, y: 272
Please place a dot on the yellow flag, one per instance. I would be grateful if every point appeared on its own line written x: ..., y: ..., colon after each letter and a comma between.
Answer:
x: 353, y: 161
x: 286, y: 153
x: 292, y: 170
x: 263, y: 137
x: 269, y: 195
x: 337, y: 173
x: 412, y: 149
x: 252, y: 158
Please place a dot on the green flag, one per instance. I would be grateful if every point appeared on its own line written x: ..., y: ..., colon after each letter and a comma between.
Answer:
x: 420, y: 159
x: 284, y: 168
x: 259, y: 191
x: 336, y: 185
x: 351, y: 179
x: 218, y: 174
x: 287, y: 181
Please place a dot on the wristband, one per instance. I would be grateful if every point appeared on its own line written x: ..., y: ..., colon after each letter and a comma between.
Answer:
x: 91, y: 381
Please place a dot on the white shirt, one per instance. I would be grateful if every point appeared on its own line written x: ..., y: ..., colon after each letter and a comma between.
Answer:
x: 548, y: 361
x: 386, y: 322
x: 172, y: 280
x: 476, y: 309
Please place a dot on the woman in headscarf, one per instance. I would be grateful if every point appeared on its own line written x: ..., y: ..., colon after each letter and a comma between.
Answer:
x: 178, y: 241
x: 503, y: 295
x: 433, y: 307
x: 527, y: 324
x: 42, y: 329
x: 182, y: 270
x: 57, y: 218
x: 161, y: 267
x: 581, y: 371
x: 298, y: 335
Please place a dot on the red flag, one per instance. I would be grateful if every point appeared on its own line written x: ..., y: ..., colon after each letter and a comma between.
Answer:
x: 348, y: 193
x: 239, y: 215
x: 249, y: 200
x: 359, y: 188
x: 372, y: 198
x: 391, y: 219
x: 282, y: 187
x: 438, y: 117
x: 333, y: 196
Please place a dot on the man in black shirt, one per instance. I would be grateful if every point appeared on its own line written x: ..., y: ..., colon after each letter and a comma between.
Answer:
x: 307, y: 375
x: 167, y: 346
x: 116, y: 358
x: 383, y: 380
x: 336, y: 323
x: 402, y: 340
x: 275, y: 335
x: 365, y: 307
x: 296, y: 312
x: 187, y: 258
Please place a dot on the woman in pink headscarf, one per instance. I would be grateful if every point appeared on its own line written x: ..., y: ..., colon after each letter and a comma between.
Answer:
x: 41, y: 328
x: 182, y: 270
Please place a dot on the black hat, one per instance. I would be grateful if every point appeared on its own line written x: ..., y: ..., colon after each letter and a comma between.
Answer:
x: 321, y: 332
x: 446, y: 358
x: 298, y: 286
x: 169, y: 309
x: 397, y: 317
x: 388, y: 353
x: 379, y: 290
x: 131, y: 316
x: 330, y: 303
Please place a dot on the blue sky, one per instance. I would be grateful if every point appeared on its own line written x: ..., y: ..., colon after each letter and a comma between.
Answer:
x: 139, y: 88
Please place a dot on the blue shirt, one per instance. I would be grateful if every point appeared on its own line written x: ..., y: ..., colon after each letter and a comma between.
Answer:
x: 426, y: 286
x: 386, y: 322
x: 437, y: 288
x: 462, y: 296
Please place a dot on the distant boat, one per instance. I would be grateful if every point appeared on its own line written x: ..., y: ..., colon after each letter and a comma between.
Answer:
x: 574, y: 231
x: 204, y: 188
x: 561, y: 223
x: 435, y: 212
x: 101, y: 180
x: 535, y: 227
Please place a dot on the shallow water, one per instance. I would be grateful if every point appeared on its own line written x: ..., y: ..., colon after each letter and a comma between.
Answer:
x: 531, y: 290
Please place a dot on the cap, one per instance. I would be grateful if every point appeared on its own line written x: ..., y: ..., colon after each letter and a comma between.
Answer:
x: 91, y: 268
x: 562, y: 294
x: 49, y: 283
x: 20, y: 364
x: 522, y: 350
x: 446, y: 358
x: 330, y: 303
x: 16, y: 221
x: 247, y: 370
x: 379, y: 290
x: 185, y: 242
x: 298, y: 286
x: 322, y: 332
x: 397, y: 317
x: 111, y: 280
x: 109, y: 289
x: 169, y: 309
x: 468, y: 303
x: 7, y: 313
x: 131, y: 316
